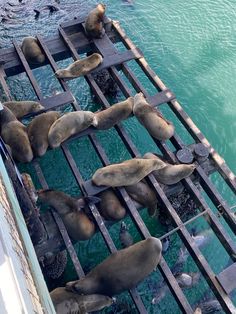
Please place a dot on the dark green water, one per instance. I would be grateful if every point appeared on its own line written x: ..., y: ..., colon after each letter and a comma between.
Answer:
x: 191, y: 46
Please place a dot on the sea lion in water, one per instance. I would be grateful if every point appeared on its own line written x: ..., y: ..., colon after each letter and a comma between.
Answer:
x: 125, y: 237
x: 107, y: 118
x: 143, y: 194
x: 66, y: 302
x: 32, y: 50
x: 80, y: 67
x: 122, y: 270
x: 210, y: 307
x: 67, y: 125
x: 38, y: 131
x: 110, y: 207
x: 77, y: 223
x: 154, y: 122
x: 14, y: 134
x: 126, y: 173
x: 171, y: 174
x: 21, y: 108
x: 94, y: 22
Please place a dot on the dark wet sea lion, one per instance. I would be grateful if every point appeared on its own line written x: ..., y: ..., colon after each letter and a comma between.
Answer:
x: 21, y: 108
x: 122, y: 270
x: 171, y: 174
x: 94, y: 22
x: 110, y: 207
x: 151, y: 119
x: 67, y: 302
x: 67, y: 125
x: 107, y: 118
x: 126, y: 173
x: 143, y: 194
x: 32, y: 50
x: 210, y: 307
x: 77, y: 223
x: 80, y: 67
x: 125, y: 237
x: 38, y: 131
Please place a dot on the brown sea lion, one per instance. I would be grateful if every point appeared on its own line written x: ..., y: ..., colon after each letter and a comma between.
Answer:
x: 171, y: 174
x: 77, y: 223
x: 94, y: 22
x: 21, y: 108
x: 80, y: 67
x: 32, y: 50
x: 126, y: 173
x: 122, y: 270
x: 67, y: 125
x: 14, y: 134
x: 66, y: 302
x: 107, y: 118
x: 143, y: 194
x: 110, y: 207
x: 38, y: 131
x: 154, y: 122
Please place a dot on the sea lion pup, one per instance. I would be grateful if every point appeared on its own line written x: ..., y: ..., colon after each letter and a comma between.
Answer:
x: 126, y: 173
x: 154, y: 122
x: 21, y: 108
x: 38, y: 131
x: 110, y: 207
x: 107, y: 118
x: 77, y: 223
x: 122, y: 270
x: 67, y: 125
x: 32, y: 51
x: 80, y: 67
x: 94, y: 22
x: 171, y: 174
x: 14, y: 134
x: 66, y: 302
x: 143, y: 194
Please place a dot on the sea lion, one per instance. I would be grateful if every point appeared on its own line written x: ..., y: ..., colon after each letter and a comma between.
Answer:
x: 210, y: 307
x: 126, y: 173
x: 94, y: 22
x: 165, y: 244
x: 67, y: 125
x: 21, y: 108
x: 171, y: 174
x: 32, y: 50
x: 80, y: 67
x: 77, y: 223
x: 38, y: 131
x: 110, y: 207
x: 125, y: 237
x: 143, y: 194
x: 122, y: 270
x: 14, y: 134
x: 107, y: 118
x: 154, y: 122
x: 198, y: 311
x: 66, y: 302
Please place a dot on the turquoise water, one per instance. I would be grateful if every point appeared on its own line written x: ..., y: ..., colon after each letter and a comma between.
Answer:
x: 191, y: 46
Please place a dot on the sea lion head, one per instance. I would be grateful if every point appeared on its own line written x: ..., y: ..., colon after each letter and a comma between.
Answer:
x: 84, y: 285
x: 62, y: 74
x: 37, y: 107
x: 101, y: 7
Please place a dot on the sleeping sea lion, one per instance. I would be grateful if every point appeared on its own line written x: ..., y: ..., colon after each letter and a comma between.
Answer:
x: 14, y: 134
x: 143, y: 194
x: 107, y: 118
x: 154, y: 122
x: 67, y: 125
x: 94, y: 22
x: 21, y: 108
x: 77, y: 223
x: 32, y: 50
x: 80, y: 67
x: 110, y: 207
x: 171, y: 174
x: 125, y: 237
x: 66, y: 302
x: 122, y: 270
x: 126, y: 173
x: 38, y: 131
